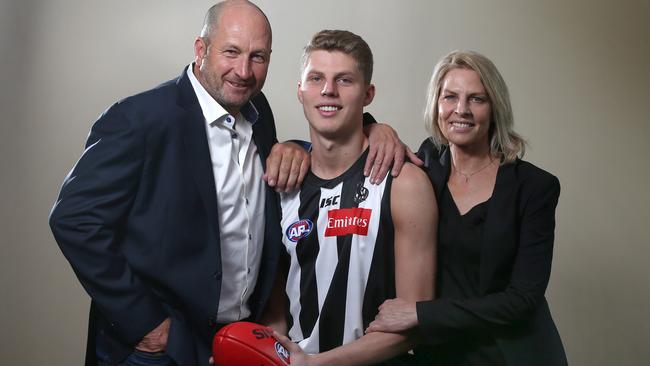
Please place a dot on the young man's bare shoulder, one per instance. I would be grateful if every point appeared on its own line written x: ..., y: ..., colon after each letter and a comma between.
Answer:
x: 411, y: 179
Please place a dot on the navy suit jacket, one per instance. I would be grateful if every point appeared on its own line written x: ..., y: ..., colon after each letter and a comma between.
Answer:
x: 515, y: 266
x: 137, y: 220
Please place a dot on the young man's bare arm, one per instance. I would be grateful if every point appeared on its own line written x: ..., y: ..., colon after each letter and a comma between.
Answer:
x: 415, y: 217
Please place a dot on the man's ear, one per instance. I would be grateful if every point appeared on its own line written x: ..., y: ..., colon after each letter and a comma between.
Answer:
x: 200, y: 50
x: 370, y: 94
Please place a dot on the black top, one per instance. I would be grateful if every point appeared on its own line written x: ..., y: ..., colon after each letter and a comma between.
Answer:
x: 459, y: 253
x: 516, y: 253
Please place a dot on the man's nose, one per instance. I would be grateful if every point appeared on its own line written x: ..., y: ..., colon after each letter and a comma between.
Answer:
x: 243, y: 69
x: 329, y: 89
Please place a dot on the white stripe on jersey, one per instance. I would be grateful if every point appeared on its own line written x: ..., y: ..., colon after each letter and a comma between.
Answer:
x: 290, y: 204
x: 328, y: 255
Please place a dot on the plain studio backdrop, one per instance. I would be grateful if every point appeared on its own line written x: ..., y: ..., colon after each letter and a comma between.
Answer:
x: 578, y: 73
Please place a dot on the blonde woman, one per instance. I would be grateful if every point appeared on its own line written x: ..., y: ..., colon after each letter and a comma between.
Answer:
x: 496, y: 229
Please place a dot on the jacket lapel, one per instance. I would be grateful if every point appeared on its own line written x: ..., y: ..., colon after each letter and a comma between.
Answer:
x: 263, y: 128
x: 263, y: 147
x: 498, y: 243
x: 195, y: 141
x: 440, y: 177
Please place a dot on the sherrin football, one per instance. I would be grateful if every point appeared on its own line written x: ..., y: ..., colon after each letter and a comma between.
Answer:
x: 245, y: 343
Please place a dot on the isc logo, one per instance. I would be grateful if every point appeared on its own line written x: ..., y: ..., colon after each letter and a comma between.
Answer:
x: 329, y: 201
x: 299, y: 230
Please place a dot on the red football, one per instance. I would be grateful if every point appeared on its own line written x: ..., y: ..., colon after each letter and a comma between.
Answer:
x: 244, y: 343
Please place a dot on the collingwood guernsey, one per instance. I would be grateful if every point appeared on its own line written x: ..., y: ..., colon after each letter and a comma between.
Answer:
x: 339, y: 237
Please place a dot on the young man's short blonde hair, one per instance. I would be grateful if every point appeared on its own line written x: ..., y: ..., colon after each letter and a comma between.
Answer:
x: 343, y: 41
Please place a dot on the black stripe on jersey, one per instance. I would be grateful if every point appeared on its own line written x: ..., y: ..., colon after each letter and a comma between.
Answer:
x: 308, y: 247
x: 381, y: 279
x: 333, y: 313
x: 332, y: 319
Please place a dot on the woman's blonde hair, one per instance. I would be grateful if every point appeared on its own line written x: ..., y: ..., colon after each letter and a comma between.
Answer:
x: 504, y: 141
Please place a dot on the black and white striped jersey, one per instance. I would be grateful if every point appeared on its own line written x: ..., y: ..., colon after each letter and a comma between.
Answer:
x: 339, y: 236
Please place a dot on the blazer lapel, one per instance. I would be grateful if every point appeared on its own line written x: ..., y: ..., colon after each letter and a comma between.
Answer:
x: 498, y: 243
x: 439, y: 177
x: 195, y: 141
x: 262, y: 144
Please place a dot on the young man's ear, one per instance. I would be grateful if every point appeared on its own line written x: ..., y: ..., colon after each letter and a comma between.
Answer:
x: 370, y: 94
x: 299, y: 93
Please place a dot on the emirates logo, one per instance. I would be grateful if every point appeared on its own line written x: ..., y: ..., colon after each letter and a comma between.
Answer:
x: 345, y: 221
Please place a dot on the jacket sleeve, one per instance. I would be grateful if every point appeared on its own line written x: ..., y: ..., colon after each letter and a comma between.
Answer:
x: 442, y: 319
x: 89, y: 220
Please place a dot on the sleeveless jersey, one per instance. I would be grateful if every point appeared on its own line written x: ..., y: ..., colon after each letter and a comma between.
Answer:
x: 339, y: 236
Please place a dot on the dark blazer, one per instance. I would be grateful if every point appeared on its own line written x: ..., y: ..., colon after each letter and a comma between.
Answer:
x: 137, y: 220
x: 515, y: 266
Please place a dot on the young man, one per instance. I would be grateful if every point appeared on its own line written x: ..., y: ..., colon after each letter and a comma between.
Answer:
x: 351, y: 244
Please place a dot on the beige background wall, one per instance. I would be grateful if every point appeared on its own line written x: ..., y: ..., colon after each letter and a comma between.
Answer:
x: 580, y: 84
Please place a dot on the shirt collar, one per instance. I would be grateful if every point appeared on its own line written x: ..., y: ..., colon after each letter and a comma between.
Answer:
x: 213, y: 111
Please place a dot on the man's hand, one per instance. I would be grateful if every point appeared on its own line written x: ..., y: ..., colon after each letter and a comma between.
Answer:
x: 156, y: 340
x: 386, y: 149
x: 395, y: 316
x: 286, y: 166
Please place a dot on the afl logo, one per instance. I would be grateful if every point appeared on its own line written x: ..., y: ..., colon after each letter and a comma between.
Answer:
x: 282, y: 353
x: 299, y: 230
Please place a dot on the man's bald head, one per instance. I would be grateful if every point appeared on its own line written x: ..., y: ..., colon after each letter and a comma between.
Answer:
x: 214, y: 14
